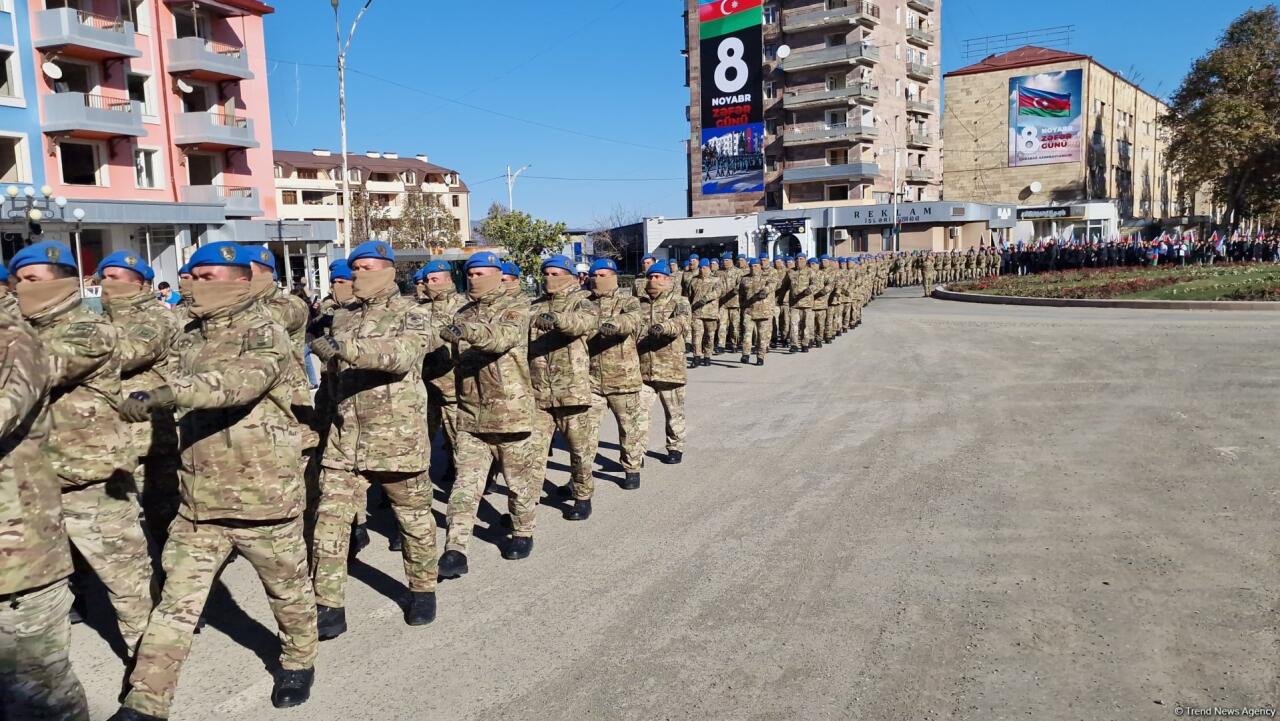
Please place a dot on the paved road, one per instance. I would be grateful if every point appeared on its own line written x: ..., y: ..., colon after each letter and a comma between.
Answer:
x: 958, y: 512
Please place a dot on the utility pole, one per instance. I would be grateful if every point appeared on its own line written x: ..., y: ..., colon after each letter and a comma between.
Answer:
x: 511, y: 184
x: 342, y: 115
x: 893, y: 135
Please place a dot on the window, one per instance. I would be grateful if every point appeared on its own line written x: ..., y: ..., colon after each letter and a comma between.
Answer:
x: 80, y: 163
x: 771, y: 163
x: 457, y: 201
x: 837, y: 40
x: 771, y: 52
x: 838, y: 156
x: 837, y: 4
x: 837, y: 118
x: 278, y: 171
x: 882, y: 198
x: 140, y: 90
x: 837, y: 192
x: 289, y: 197
x: 836, y: 81
x: 313, y: 197
x: 410, y: 177
x: 770, y: 14
x: 308, y: 174
x: 897, y: 87
x: 8, y: 74
x: 457, y: 225
x: 13, y: 160
x: 897, y: 15
x: 146, y: 166
x: 770, y: 91
x: 770, y: 126
x: 771, y: 200
x: 135, y: 11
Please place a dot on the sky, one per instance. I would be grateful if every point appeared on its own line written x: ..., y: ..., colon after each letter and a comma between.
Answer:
x: 590, y: 93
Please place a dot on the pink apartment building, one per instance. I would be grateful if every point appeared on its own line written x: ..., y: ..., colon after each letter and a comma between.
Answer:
x: 154, y: 119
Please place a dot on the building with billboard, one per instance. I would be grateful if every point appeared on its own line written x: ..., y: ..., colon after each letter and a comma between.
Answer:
x: 1075, y: 145
x: 804, y: 104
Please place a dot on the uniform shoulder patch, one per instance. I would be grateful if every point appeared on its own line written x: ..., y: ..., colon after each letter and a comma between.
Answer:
x: 415, y: 322
x: 146, y: 332
x: 259, y: 338
x: 81, y: 330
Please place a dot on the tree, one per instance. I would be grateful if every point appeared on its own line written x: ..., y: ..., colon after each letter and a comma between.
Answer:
x: 424, y: 221
x: 606, y: 241
x: 1225, y: 118
x: 526, y: 238
x: 367, y: 217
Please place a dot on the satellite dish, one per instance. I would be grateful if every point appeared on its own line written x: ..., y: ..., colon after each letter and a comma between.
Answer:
x: 184, y: 87
x: 51, y: 70
x: 784, y: 51
x: 1036, y: 187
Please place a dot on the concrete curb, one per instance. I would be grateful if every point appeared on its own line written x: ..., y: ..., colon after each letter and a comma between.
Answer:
x: 941, y: 293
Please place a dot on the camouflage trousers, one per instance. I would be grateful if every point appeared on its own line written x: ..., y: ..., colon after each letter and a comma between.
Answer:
x: 929, y: 280
x: 192, y: 558
x: 580, y: 428
x: 730, y: 331
x: 37, y: 682
x: 819, y: 324
x: 160, y: 496
x: 442, y: 416
x: 633, y: 426
x: 835, y: 318
x: 103, y: 525
x: 756, y: 331
x: 801, y: 326
x: 704, y: 337
x: 473, y: 453
x: 781, y: 323
x: 672, y: 399
x: 342, y: 493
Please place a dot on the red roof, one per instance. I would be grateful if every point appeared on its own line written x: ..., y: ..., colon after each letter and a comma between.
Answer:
x: 304, y: 159
x: 1023, y: 57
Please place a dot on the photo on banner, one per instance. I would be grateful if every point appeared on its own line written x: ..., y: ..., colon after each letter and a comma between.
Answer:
x: 1046, y: 118
x: 731, y: 46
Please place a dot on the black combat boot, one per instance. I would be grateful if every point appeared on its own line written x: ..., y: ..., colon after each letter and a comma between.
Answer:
x: 330, y: 622
x: 804, y: 349
x: 706, y: 362
x: 519, y: 547
x: 359, y: 539
x: 795, y: 349
x: 581, y: 510
x: 565, y: 491
x: 452, y: 564
x: 745, y: 359
x: 292, y: 688
x: 422, y: 608
x: 759, y: 360
x: 128, y: 714
x: 632, y: 482
x: 395, y: 543
x: 673, y: 458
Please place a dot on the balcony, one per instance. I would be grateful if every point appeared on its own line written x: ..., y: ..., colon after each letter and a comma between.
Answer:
x: 240, y: 202
x: 921, y: 106
x: 850, y: 171
x: 214, y: 130
x: 920, y: 36
x: 920, y: 140
x: 865, y: 93
x: 859, y: 12
x: 207, y: 60
x: 916, y: 71
x: 826, y: 133
x: 82, y: 34
x: 924, y: 6
x: 835, y: 55
x: 919, y: 175
x: 86, y: 115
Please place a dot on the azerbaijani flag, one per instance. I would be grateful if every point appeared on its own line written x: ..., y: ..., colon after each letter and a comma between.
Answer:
x: 721, y: 17
x: 1033, y: 101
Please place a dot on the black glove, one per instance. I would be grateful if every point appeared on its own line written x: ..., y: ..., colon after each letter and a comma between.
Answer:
x: 325, y: 348
x: 545, y: 321
x: 138, y: 406
x: 451, y: 333
x: 610, y: 328
x: 657, y: 329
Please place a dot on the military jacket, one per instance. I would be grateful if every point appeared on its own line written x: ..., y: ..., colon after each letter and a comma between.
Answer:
x: 801, y: 281
x: 88, y: 442
x: 291, y: 313
x: 437, y: 366
x: 145, y: 332
x: 33, y: 545
x: 240, y: 447
x: 757, y: 296
x: 615, y: 363
x: 559, y: 360
x: 662, y: 354
x: 495, y: 394
x: 704, y: 297
x: 732, y: 278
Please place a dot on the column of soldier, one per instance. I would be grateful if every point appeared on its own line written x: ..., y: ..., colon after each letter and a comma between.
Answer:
x: 925, y: 268
x: 196, y: 430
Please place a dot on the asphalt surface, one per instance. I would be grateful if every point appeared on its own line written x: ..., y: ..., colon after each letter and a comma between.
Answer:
x: 955, y: 512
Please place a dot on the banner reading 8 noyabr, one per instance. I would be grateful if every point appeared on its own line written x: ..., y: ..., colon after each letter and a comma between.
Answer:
x: 1046, y: 118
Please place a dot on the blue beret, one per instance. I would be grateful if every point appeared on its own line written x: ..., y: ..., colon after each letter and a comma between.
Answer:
x: 563, y: 262
x: 435, y: 266
x: 604, y: 264
x: 340, y: 269
x: 4, y: 274
x: 694, y: 256
x: 223, y: 253
x: 704, y: 263
x: 753, y: 261
x: 46, y: 252
x: 726, y: 256
x: 649, y: 256
x: 260, y: 255
x: 185, y: 270
x: 510, y: 268
x: 814, y: 261
x: 372, y: 249
x: 661, y: 267
x: 483, y: 260
x: 129, y: 261
x: 789, y: 258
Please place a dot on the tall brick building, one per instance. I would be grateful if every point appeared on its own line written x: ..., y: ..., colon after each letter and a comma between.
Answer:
x: 851, y: 101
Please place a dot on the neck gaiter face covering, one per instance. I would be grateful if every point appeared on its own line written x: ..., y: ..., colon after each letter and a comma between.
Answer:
x: 36, y: 297
x: 441, y: 290
x: 113, y: 289
x: 373, y: 283
x: 606, y: 284
x: 210, y: 298
x: 342, y: 293
x: 482, y: 285
x: 656, y: 287
x: 557, y: 284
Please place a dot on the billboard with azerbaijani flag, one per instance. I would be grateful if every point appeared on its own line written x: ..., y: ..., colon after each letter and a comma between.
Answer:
x: 731, y: 53
x: 1046, y: 118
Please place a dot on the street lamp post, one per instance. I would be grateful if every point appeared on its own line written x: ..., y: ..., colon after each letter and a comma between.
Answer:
x: 22, y: 205
x: 893, y: 135
x: 342, y: 114
x: 511, y: 185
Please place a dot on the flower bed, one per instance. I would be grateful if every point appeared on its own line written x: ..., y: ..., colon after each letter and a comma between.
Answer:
x: 1247, y: 281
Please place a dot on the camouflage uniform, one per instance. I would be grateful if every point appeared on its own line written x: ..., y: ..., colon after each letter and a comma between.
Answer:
x: 379, y: 436
x: 662, y: 366
x: 615, y: 375
x: 437, y: 370
x: 145, y: 330
x: 92, y: 452
x: 930, y: 277
x: 37, y: 682
x: 242, y: 490
x: 495, y: 414
x: 757, y: 310
x: 802, y: 282
x: 560, y: 372
x: 291, y: 313
x: 729, y: 332
x: 781, y: 307
x: 704, y: 298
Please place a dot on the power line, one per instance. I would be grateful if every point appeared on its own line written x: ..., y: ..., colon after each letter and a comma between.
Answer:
x: 608, y: 180
x: 477, y: 108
